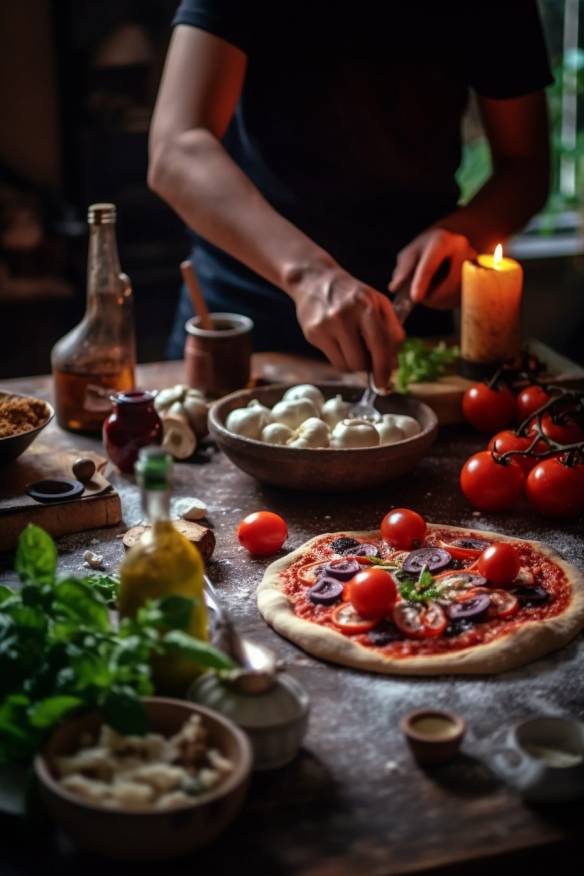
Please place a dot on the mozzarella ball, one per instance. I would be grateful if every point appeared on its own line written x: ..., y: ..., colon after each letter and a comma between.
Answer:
x: 354, y: 433
x: 408, y: 425
x: 388, y: 430
x: 293, y: 413
x: 305, y: 390
x: 247, y: 422
x: 334, y: 410
x: 276, y: 433
x: 312, y: 433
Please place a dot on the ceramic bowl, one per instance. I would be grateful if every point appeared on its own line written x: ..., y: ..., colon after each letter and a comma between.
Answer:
x: 429, y: 748
x: 14, y: 445
x: 323, y: 468
x: 148, y: 834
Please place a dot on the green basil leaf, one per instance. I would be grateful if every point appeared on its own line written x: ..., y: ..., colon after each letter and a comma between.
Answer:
x: 36, y: 556
x: 51, y: 710
x: 178, y: 642
x: 76, y: 601
x: 177, y: 611
x: 124, y: 711
x: 106, y: 585
x: 5, y: 593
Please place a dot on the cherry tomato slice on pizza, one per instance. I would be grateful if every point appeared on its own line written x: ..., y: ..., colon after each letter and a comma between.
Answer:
x: 346, y: 619
x: 307, y: 573
x: 419, y: 622
x: 458, y: 552
x: 503, y: 604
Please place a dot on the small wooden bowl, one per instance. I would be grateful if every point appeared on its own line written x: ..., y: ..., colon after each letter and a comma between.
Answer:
x: 148, y: 834
x: 12, y: 446
x: 426, y: 748
x: 323, y: 468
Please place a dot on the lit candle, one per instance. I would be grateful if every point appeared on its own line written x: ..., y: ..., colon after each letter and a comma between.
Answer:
x: 491, y: 312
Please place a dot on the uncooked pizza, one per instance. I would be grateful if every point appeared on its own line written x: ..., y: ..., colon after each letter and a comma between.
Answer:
x: 454, y: 601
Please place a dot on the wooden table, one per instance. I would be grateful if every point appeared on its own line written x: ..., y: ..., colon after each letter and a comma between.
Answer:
x: 353, y: 803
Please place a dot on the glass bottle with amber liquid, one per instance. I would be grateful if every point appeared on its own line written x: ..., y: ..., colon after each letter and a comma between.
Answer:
x: 98, y: 356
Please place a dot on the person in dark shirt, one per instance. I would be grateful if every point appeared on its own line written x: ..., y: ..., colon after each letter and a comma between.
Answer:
x: 312, y: 148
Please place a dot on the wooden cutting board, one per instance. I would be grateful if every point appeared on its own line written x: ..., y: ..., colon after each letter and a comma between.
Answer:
x: 444, y: 395
x: 98, y: 506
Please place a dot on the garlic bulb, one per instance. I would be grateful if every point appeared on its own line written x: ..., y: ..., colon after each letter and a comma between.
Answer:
x: 354, y: 433
x: 311, y: 433
x: 294, y: 413
x: 196, y: 410
x: 248, y: 422
x: 334, y: 410
x: 179, y: 439
x: 388, y: 430
x: 408, y: 425
x: 276, y: 433
x: 305, y: 390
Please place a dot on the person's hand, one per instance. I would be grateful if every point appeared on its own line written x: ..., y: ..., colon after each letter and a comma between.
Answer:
x: 353, y: 324
x: 423, y: 257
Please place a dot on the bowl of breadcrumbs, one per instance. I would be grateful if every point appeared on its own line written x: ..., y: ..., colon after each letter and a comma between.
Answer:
x: 22, y: 417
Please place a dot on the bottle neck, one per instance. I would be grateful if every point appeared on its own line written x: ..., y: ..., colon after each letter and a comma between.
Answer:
x: 103, y: 264
x: 156, y: 505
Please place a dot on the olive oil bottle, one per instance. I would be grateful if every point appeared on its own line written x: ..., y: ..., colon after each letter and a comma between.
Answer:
x: 164, y: 563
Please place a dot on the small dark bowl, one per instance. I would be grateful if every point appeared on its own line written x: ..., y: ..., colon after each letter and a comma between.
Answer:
x: 428, y: 749
x: 324, y: 468
x: 12, y: 446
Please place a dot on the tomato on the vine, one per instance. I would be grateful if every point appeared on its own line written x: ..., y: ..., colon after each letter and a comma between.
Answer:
x: 488, y: 409
x: 499, y: 563
x: 262, y: 533
x: 373, y: 593
x: 502, y: 442
x: 530, y: 400
x: 490, y: 485
x: 556, y: 489
x: 568, y: 432
x: 403, y: 529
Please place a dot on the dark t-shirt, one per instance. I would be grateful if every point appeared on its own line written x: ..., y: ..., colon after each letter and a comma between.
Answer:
x: 349, y: 121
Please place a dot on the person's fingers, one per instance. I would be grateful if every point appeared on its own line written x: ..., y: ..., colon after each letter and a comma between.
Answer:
x: 446, y: 293
x: 430, y: 260
x: 407, y: 260
x: 381, y: 347
x: 332, y: 351
x: 351, y: 343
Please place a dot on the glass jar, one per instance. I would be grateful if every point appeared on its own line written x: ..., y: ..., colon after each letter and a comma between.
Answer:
x: 132, y: 424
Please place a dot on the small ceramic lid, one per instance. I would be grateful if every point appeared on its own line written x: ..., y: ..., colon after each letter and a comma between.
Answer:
x: 284, y: 703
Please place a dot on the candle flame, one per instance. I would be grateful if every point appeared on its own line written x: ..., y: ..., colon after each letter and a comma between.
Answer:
x: 498, y: 254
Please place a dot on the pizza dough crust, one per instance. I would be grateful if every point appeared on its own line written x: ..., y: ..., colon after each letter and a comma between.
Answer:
x: 530, y: 641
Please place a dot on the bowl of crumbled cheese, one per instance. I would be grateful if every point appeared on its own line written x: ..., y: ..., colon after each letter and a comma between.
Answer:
x: 154, y: 796
x: 22, y: 417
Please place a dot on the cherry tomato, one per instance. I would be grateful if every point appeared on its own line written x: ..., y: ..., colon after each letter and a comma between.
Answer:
x: 503, y: 604
x: 499, y: 563
x: 403, y: 529
x: 490, y: 485
x: 373, y: 593
x: 556, y: 489
x: 488, y: 410
x: 262, y: 533
x: 508, y: 440
x: 564, y: 433
x: 530, y: 400
x: 418, y: 622
x: 346, y: 619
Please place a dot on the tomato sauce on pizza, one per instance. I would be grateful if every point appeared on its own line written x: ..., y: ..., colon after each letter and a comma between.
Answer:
x: 442, y: 607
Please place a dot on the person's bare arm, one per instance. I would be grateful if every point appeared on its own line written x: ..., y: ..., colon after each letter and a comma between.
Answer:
x: 353, y: 324
x: 517, y: 131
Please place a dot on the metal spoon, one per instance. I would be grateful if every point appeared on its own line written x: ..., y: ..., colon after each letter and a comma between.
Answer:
x: 364, y: 408
x: 258, y: 663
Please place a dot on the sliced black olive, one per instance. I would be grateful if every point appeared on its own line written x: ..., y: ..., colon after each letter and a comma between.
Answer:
x: 326, y: 591
x: 342, y: 544
x: 470, y: 543
x: 363, y: 550
x: 342, y: 569
x: 530, y: 596
x: 433, y: 558
x: 473, y: 609
x: 457, y: 627
x: 384, y: 633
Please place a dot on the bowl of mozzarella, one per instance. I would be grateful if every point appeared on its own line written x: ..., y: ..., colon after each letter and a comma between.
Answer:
x: 303, y: 437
